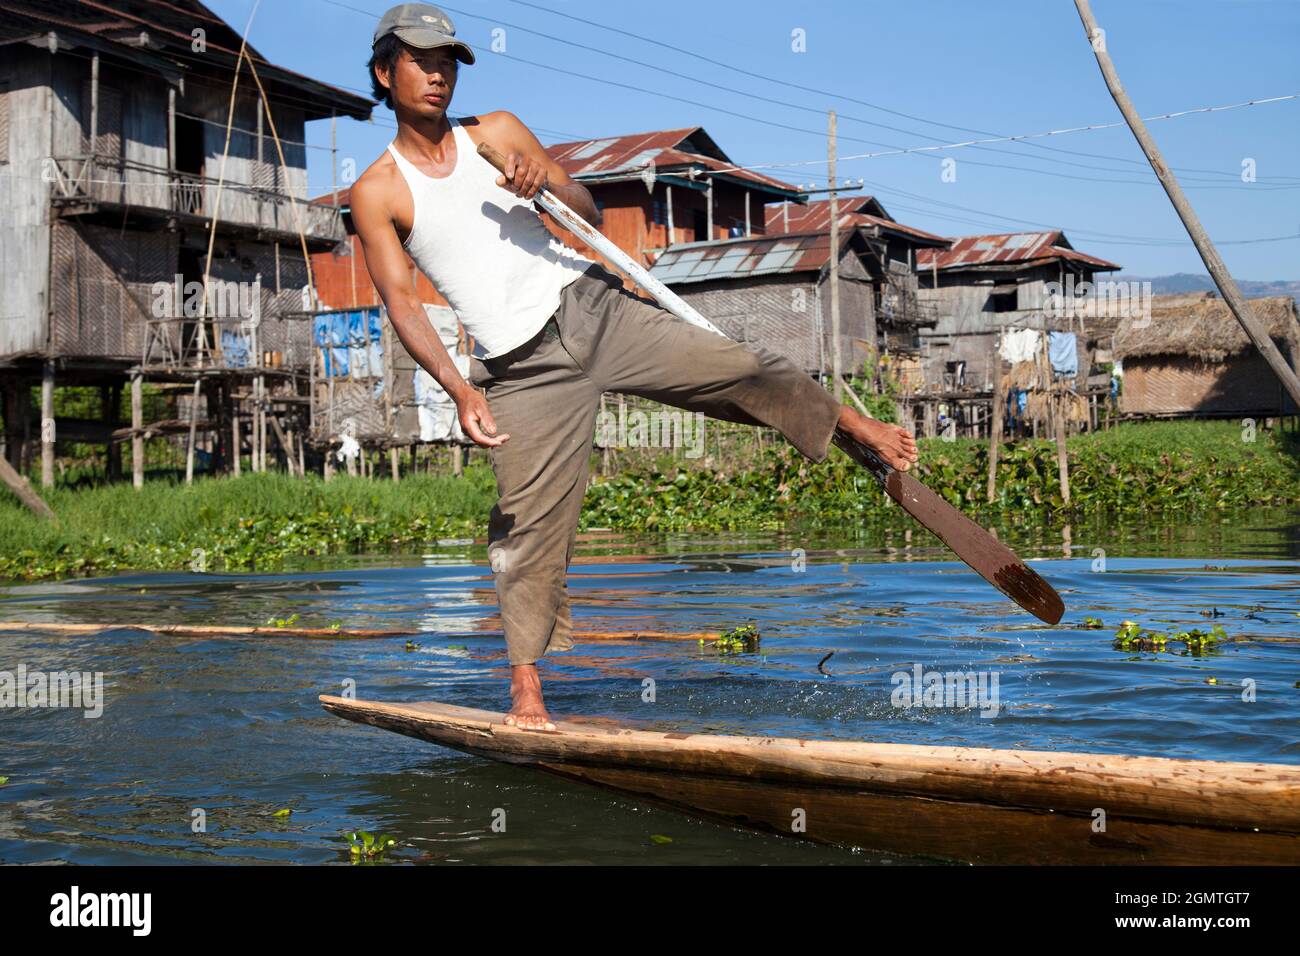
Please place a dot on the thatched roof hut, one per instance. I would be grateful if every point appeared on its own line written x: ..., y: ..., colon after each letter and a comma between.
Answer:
x: 1194, y: 358
x: 1203, y: 327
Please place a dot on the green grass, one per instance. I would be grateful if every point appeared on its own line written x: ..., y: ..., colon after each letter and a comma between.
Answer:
x: 222, y: 523
x: 1171, y: 470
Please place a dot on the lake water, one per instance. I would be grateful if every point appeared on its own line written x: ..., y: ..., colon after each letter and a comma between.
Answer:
x: 232, y: 726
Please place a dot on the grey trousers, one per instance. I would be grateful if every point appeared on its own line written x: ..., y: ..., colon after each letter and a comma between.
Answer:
x: 546, y: 394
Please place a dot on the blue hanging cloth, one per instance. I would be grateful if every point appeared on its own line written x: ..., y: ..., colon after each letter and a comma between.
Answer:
x: 1063, y: 351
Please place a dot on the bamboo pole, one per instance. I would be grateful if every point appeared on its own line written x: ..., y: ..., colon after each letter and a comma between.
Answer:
x: 999, y: 413
x: 836, y: 358
x: 235, y: 451
x: 47, y: 424
x: 137, y: 425
x: 221, y: 182
x: 1062, y: 458
x: 23, y: 489
x: 194, y: 424
x: 1209, y: 254
x: 285, y: 445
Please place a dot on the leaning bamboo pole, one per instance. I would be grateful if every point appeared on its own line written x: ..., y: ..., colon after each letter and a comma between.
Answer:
x: 1200, y: 238
x: 284, y: 168
x: 221, y: 179
x: 22, y: 488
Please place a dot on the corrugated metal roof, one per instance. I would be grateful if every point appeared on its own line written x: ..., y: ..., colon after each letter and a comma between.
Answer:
x: 853, y: 211
x: 750, y: 256
x: 168, y: 26
x: 666, y: 150
x: 1023, y: 248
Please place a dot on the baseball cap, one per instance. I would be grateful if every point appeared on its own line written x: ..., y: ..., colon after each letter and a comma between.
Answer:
x: 423, y: 26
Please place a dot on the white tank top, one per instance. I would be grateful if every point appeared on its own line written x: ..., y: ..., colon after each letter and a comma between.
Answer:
x: 485, y: 249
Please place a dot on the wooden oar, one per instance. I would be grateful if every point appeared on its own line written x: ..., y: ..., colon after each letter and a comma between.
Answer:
x: 986, y: 555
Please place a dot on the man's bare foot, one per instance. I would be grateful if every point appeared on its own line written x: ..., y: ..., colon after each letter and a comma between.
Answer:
x: 528, y: 711
x: 893, y: 443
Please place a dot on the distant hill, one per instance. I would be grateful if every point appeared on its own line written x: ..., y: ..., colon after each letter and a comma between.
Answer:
x: 1191, y: 282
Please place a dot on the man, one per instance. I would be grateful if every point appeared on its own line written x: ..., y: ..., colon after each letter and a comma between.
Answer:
x: 557, y: 330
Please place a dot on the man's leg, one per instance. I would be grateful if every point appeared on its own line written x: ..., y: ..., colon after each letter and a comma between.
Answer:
x: 629, y: 344
x: 548, y: 407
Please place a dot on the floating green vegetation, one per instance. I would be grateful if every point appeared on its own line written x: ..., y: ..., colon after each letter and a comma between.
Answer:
x: 1093, y: 623
x: 262, y: 520
x: 412, y: 646
x: 1170, y: 468
x: 289, y: 621
x: 365, y: 847
x: 660, y: 839
x: 1133, y: 637
x: 286, y: 812
x: 738, y: 640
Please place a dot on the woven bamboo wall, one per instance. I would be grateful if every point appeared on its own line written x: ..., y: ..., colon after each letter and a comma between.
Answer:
x: 1165, y: 384
x: 101, y: 287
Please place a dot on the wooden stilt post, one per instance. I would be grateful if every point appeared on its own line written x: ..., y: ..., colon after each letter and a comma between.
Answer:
x: 235, y: 441
x: 47, y: 424
x: 286, y: 446
x: 1062, y: 459
x: 194, y: 424
x: 111, y: 398
x: 457, y: 460
x: 261, y: 423
x: 394, y: 465
x: 137, y: 429
x: 995, y: 425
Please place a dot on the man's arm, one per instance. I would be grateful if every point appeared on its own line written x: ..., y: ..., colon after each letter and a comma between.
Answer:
x: 529, y: 167
x: 387, y: 262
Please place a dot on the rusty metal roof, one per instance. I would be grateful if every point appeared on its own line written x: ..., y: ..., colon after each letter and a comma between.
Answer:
x: 669, y: 151
x: 853, y: 211
x: 1012, y: 248
x: 145, y: 30
x: 744, y: 257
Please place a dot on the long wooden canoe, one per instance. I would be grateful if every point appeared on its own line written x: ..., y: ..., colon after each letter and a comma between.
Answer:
x: 959, y: 803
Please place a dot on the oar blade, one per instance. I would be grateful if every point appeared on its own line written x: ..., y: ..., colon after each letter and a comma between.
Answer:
x: 987, y: 556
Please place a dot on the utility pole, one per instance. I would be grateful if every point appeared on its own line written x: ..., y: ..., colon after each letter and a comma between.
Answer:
x: 836, y: 368
x: 1209, y: 255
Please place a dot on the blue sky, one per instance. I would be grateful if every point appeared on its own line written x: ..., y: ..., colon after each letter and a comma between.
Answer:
x: 999, y: 66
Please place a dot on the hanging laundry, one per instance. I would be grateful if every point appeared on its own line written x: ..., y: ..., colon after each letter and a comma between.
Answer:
x: 1063, y: 351
x: 435, y: 409
x: 236, y: 348
x: 375, y: 348
x: 358, y: 342
x: 1021, y: 345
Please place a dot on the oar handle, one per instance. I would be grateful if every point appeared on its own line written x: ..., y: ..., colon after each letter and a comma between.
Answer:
x: 493, y: 156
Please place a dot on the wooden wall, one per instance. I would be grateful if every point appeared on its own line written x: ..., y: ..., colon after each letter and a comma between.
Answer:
x: 1174, y: 385
x: 24, y: 199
